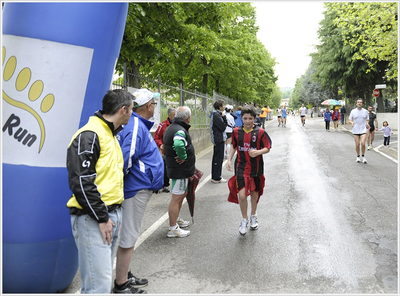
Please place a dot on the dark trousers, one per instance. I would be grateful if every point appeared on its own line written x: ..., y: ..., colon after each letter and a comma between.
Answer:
x: 263, y: 122
x: 166, y: 179
x: 327, y: 124
x: 386, y: 141
x: 217, y: 160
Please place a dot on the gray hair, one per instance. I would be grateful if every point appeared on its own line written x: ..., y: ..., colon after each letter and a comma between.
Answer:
x: 183, y: 112
x: 170, y: 110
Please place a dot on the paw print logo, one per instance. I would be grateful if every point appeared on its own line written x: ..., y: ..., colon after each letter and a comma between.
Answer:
x: 35, y: 90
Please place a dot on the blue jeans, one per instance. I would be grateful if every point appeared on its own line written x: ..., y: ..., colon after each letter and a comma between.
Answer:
x: 95, y: 257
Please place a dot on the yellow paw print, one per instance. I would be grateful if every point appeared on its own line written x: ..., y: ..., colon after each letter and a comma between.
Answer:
x: 35, y: 91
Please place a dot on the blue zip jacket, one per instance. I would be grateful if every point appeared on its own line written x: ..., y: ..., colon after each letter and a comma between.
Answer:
x: 143, y: 164
x: 327, y: 116
x: 238, y: 120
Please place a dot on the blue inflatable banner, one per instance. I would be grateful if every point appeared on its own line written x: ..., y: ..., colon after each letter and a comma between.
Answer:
x: 58, y: 61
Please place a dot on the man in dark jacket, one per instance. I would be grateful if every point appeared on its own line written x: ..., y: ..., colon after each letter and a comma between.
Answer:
x: 180, y: 160
x: 218, y: 125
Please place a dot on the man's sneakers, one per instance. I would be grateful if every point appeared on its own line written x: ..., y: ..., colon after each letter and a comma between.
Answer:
x: 177, y: 232
x: 137, y: 282
x: 182, y: 223
x: 243, y: 226
x: 253, y: 222
x: 127, y: 288
x: 363, y: 160
x: 220, y: 181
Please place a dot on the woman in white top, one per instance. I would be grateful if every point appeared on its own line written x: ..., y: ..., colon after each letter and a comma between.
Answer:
x: 359, y: 119
x: 229, y: 129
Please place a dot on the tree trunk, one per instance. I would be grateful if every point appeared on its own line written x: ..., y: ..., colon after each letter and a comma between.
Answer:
x: 132, y: 76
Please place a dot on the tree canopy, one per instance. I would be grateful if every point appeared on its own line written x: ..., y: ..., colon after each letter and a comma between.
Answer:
x: 357, y: 50
x: 203, y: 45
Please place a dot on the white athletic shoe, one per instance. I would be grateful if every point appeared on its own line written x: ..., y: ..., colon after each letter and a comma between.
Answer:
x: 243, y: 226
x: 182, y: 223
x: 178, y: 232
x: 358, y: 159
x: 253, y: 222
x: 364, y: 160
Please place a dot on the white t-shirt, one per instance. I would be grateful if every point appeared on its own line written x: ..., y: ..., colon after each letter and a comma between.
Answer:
x: 360, y: 118
x: 303, y: 110
x: 231, y: 122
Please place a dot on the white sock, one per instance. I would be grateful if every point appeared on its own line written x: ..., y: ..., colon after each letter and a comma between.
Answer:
x: 173, y: 227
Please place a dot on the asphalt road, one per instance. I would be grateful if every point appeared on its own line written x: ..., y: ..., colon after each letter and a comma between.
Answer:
x: 327, y: 224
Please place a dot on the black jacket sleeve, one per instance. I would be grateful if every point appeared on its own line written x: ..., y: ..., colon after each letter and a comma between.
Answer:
x: 218, y: 123
x: 82, y: 156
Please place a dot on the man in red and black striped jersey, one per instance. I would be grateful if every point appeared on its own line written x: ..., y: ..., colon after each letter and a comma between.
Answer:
x: 250, y: 142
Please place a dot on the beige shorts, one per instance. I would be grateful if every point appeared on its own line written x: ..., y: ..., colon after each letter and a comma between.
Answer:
x: 179, y: 186
x: 132, y: 216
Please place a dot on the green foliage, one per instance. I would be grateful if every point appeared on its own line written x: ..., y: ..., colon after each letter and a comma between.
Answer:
x: 372, y: 29
x: 337, y: 65
x: 202, y: 45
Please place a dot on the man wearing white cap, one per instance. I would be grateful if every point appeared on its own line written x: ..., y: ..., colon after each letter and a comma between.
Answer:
x: 143, y: 174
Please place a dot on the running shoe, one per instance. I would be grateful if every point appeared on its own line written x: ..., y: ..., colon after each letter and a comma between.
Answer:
x: 178, y: 232
x: 243, y: 226
x: 358, y: 159
x: 182, y: 223
x: 137, y: 282
x: 364, y: 160
x: 253, y: 222
x: 127, y: 288
x: 369, y: 147
x: 220, y: 181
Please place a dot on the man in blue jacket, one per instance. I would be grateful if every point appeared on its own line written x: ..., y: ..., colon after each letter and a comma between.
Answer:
x: 143, y: 174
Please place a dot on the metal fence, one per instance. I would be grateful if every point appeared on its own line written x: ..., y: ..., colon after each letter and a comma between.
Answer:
x: 172, y: 97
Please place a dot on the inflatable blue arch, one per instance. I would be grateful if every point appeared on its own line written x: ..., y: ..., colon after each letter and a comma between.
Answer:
x: 58, y: 61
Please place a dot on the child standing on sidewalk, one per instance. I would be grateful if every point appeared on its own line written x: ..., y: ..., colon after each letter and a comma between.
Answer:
x: 250, y: 142
x: 387, y: 131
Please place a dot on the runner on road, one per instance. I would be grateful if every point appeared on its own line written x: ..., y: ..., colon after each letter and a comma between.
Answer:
x: 373, y: 126
x: 359, y: 121
x: 279, y: 113
x: 250, y: 143
x: 284, y: 115
x: 303, y: 113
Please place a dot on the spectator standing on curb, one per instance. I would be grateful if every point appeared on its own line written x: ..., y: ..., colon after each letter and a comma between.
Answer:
x: 373, y: 125
x: 336, y: 118
x: 342, y: 114
x: 95, y: 173
x: 250, y: 142
x: 218, y: 125
x: 238, y: 119
x: 327, y: 119
x: 180, y: 158
x: 158, y: 138
x: 229, y: 128
x: 359, y: 119
x: 387, y: 131
x: 144, y: 173
x: 303, y: 113
x: 263, y: 115
x: 312, y: 112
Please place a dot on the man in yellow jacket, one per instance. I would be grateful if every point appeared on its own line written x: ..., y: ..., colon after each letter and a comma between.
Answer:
x: 95, y: 172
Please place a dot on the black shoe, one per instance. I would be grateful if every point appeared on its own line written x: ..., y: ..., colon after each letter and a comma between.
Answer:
x: 127, y: 288
x: 165, y: 189
x: 136, y: 282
